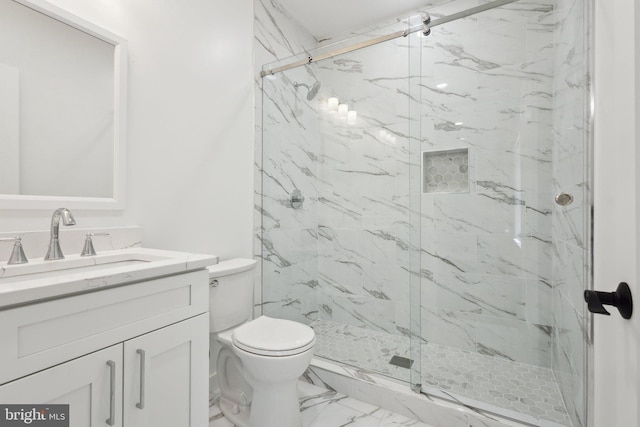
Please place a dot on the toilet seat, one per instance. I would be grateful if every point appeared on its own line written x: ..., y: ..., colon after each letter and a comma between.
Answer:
x: 266, y: 336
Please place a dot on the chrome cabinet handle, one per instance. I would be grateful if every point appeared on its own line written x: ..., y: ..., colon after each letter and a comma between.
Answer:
x: 112, y: 393
x: 143, y: 363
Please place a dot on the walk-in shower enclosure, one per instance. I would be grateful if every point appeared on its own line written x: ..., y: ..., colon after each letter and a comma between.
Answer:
x: 407, y: 207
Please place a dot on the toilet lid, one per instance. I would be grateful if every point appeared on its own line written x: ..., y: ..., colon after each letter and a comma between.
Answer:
x: 273, y: 337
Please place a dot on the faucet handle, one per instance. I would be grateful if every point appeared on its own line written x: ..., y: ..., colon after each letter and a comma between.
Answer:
x: 88, y: 249
x: 17, y: 254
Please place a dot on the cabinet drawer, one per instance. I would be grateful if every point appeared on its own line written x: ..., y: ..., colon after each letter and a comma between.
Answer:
x: 41, y: 335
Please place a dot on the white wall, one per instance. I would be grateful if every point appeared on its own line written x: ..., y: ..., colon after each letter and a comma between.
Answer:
x: 190, y: 145
x: 617, y: 227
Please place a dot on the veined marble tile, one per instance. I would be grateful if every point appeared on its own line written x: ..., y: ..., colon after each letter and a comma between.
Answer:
x: 511, y: 172
x: 570, y: 32
x: 320, y: 407
x: 391, y: 280
x: 358, y: 311
x: 362, y: 347
x: 569, y: 222
x: 427, y: 212
x: 491, y: 213
x: 447, y: 91
x: 515, y: 340
x: 257, y: 273
x: 216, y: 418
x: 512, y: 255
x: 381, y: 75
x: 499, y: 296
x: 570, y: 272
x: 450, y: 251
x: 569, y: 362
x: 290, y: 266
x: 278, y: 35
x: 539, y: 214
x: 293, y: 245
x: 539, y: 304
x: 448, y: 373
x: 447, y: 327
x: 570, y: 126
x: 519, y: 121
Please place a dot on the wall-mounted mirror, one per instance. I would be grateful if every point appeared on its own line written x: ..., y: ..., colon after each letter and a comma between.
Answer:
x: 63, y: 110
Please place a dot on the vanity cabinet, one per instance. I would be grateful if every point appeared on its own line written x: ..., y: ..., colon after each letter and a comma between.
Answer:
x: 84, y: 384
x: 163, y: 371
x: 133, y: 356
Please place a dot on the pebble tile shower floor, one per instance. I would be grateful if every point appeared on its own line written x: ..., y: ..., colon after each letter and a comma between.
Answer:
x: 519, y: 387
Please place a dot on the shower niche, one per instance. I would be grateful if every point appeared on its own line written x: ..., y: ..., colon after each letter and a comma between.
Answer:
x: 445, y: 171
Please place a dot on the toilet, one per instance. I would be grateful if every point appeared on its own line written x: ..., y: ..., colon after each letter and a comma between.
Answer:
x: 258, y: 361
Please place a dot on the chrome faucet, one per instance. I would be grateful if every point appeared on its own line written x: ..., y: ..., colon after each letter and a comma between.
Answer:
x: 63, y: 214
x: 17, y: 254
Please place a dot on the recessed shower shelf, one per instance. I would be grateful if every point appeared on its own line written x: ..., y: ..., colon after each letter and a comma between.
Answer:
x: 445, y: 171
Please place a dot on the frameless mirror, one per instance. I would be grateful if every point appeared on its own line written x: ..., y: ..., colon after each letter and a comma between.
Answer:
x: 62, y: 103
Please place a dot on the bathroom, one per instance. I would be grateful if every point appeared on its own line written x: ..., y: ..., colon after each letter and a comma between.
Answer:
x: 193, y: 139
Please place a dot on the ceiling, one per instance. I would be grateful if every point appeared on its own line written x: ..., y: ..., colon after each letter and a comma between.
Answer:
x: 326, y: 18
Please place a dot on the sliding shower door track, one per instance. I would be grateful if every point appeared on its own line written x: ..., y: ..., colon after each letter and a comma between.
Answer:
x: 381, y: 39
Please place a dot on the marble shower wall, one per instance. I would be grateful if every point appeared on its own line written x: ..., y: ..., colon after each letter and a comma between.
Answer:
x: 342, y: 256
x: 486, y: 262
x: 487, y: 85
x: 285, y: 241
x: 363, y: 206
x: 499, y: 84
x: 571, y: 224
x: 289, y: 235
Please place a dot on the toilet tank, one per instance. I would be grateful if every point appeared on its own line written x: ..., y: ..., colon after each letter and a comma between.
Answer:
x: 230, y: 293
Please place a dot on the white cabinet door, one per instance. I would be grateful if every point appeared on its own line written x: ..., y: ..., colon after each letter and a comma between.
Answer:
x: 166, y: 376
x: 91, y: 385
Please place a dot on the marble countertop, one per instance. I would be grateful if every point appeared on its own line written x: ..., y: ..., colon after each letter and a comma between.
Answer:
x: 43, y: 280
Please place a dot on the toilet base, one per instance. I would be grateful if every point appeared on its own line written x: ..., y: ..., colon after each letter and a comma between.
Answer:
x: 238, y: 415
x: 275, y: 405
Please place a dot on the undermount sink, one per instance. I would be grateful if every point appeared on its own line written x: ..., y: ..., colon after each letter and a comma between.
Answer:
x: 40, y: 279
x: 73, y: 264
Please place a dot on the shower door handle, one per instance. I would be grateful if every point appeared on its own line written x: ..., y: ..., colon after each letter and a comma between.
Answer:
x: 621, y: 299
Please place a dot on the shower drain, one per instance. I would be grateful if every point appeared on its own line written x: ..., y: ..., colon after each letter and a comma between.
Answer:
x: 400, y: 361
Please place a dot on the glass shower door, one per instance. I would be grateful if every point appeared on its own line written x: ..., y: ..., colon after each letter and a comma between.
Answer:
x: 409, y: 207
x: 343, y: 258
x: 505, y: 131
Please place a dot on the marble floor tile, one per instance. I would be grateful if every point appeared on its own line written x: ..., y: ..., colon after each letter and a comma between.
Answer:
x: 495, y: 382
x: 324, y: 408
x: 216, y: 419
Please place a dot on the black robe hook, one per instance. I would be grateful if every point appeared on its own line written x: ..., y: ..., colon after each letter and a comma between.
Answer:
x: 621, y: 299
